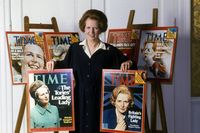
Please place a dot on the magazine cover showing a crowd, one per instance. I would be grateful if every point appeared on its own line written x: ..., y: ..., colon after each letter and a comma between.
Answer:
x: 57, y: 43
x: 126, y: 40
x: 50, y: 101
x: 157, y: 52
x: 123, y: 101
x: 25, y: 53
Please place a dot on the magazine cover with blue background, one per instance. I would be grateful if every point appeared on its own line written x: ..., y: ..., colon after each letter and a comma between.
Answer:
x: 123, y: 101
x: 50, y: 100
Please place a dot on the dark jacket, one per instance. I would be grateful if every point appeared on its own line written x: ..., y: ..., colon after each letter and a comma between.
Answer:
x: 88, y: 74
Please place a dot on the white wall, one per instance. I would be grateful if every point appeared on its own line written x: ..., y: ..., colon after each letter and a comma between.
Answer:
x: 195, y: 115
x: 67, y: 12
x: 5, y: 85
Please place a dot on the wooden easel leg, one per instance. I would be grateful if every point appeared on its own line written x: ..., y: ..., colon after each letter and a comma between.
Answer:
x: 161, y: 108
x: 147, y: 130
x: 156, y: 95
x: 21, y: 112
x: 153, y: 106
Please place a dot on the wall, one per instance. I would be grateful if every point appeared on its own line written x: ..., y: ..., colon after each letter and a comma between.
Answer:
x: 5, y: 85
x: 195, y: 115
x: 67, y: 12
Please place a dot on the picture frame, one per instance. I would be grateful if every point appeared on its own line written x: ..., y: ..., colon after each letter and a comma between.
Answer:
x: 195, y: 39
x: 50, y: 92
x: 123, y: 100
x: 25, y: 53
x: 57, y: 43
x: 126, y: 40
x: 157, y: 52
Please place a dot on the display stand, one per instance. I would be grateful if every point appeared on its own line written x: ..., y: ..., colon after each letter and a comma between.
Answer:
x: 27, y: 27
x: 156, y: 95
x: 156, y: 90
x: 154, y: 23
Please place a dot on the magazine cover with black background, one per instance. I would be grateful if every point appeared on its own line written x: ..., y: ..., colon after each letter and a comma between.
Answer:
x: 50, y: 100
x: 123, y: 101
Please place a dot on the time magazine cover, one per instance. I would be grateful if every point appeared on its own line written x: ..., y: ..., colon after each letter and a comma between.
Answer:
x: 25, y: 53
x: 157, y: 52
x: 50, y: 101
x: 123, y: 101
x: 126, y: 40
x: 57, y: 43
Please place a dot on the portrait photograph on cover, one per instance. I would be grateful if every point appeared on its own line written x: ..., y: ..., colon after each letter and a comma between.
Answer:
x: 157, y: 52
x: 126, y: 40
x: 25, y: 53
x: 123, y: 101
x: 57, y: 43
x: 50, y: 101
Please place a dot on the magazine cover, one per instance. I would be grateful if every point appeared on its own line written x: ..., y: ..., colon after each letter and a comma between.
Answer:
x: 123, y: 101
x: 25, y: 53
x: 126, y: 40
x: 157, y: 51
x: 50, y: 101
x: 57, y: 43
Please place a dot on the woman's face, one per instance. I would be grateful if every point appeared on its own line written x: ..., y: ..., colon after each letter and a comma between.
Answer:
x: 92, y: 30
x: 122, y: 103
x: 33, y: 58
x: 148, y: 51
x: 43, y: 95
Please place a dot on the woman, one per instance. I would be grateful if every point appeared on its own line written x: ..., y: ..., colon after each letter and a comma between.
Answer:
x: 43, y: 114
x: 33, y: 60
x: 116, y: 118
x: 88, y: 58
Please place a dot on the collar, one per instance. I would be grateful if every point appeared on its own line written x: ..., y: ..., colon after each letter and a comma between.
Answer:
x: 86, y: 49
x: 42, y: 110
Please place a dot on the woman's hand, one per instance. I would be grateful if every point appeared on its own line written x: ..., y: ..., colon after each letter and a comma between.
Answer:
x: 50, y: 65
x: 121, y: 124
x: 126, y: 65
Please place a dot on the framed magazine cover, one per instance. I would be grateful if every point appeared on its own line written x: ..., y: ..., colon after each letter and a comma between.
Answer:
x: 50, y: 101
x: 57, y: 43
x: 123, y: 101
x: 157, y: 52
x: 25, y: 53
x: 127, y: 40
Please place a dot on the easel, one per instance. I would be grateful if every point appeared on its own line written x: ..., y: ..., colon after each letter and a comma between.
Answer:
x: 156, y: 91
x: 27, y: 27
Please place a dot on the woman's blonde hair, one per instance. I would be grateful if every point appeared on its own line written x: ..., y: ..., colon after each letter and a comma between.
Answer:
x: 121, y: 89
